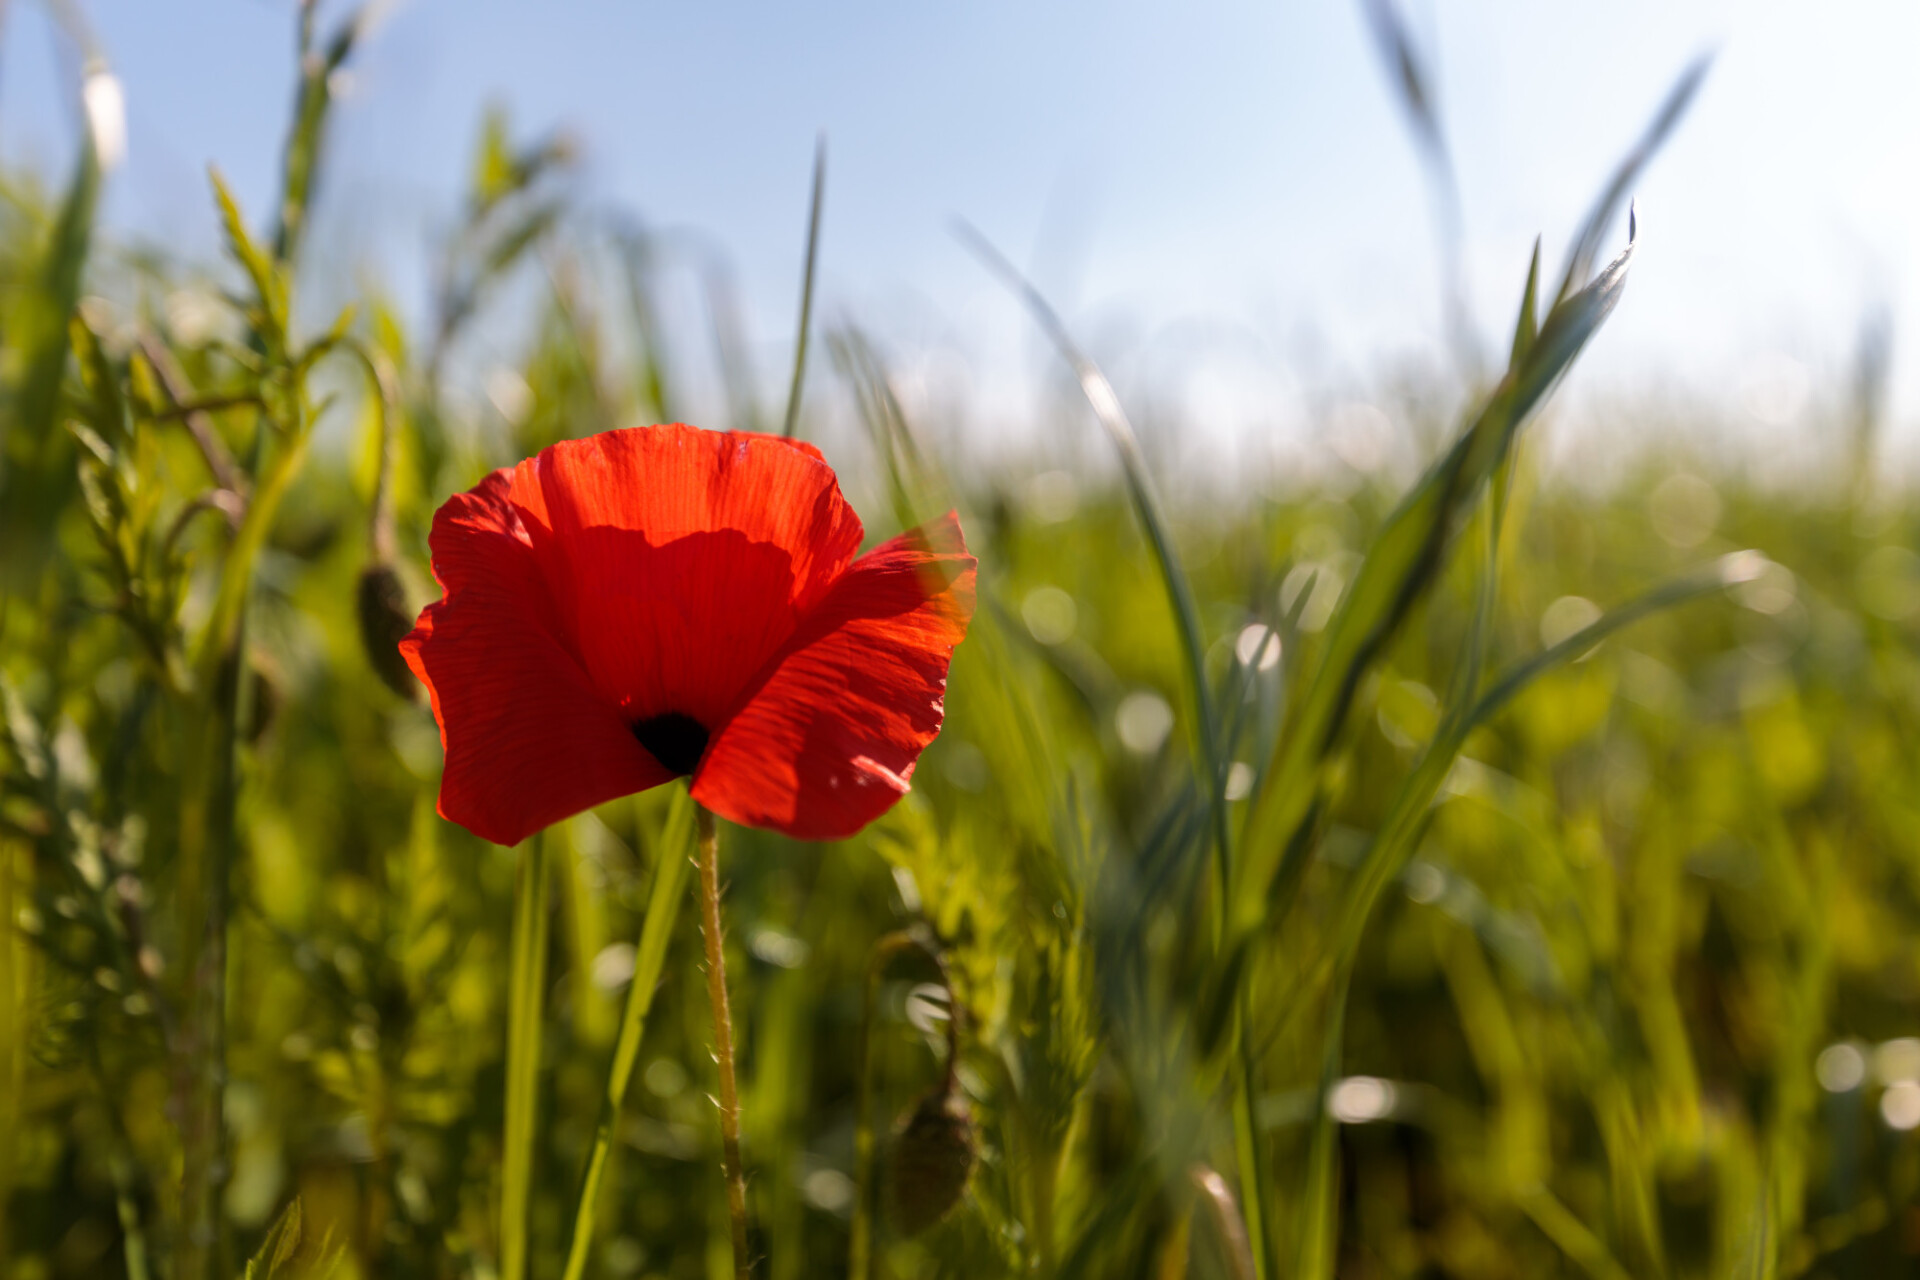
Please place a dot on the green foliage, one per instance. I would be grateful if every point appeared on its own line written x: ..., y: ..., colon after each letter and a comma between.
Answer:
x: 1315, y: 883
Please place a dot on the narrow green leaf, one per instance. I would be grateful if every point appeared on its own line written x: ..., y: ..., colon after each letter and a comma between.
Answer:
x: 663, y: 906
x: 107, y: 412
x: 1527, y: 327
x: 268, y: 286
x: 42, y: 336
x: 1210, y: 752
x: 1398, y: 836
x: 806, y: 287
x: 304, y: 140
x: 281, y: 1243
x: 526, y: 989
x: 1400, y: 568
x: 1594, y: 230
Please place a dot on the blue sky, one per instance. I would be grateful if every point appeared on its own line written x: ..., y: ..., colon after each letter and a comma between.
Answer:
x: 1217, y: 184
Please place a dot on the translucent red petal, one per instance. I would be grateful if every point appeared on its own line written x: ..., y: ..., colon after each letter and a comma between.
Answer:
x: 677, y: 587
x: 827, y: 739
x: 680, y: 560
x: 528, y: 738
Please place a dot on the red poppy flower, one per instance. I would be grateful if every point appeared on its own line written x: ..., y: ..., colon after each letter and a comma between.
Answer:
x: 665, y: 601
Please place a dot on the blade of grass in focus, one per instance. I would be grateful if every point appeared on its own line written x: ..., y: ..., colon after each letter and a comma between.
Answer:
x: 1209, y: 754
x: 671, y: 861
x: 1408, y: 553
x: 526, y: 990
x: 1399, y: 570
x: 1390, y: 849
x: 1585, y: 248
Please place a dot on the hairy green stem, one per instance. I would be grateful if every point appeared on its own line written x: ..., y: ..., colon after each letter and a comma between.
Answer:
x: 709, y: 859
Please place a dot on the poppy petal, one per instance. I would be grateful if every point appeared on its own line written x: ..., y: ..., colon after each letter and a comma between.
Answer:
x: 827, y: 740
x: 681, y: 560
x: 528, y: 739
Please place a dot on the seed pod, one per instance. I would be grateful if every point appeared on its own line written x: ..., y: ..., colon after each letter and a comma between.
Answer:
x: 264, y: 694
x: 932, y: 1156
x: 384, y: 623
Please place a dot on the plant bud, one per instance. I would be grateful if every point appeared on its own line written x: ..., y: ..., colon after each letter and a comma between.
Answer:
x: 932, y: 1156
x: 384, y: 623
x: 264, y: 700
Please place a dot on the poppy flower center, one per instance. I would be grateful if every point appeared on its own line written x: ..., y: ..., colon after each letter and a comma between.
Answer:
x: 676, y: 740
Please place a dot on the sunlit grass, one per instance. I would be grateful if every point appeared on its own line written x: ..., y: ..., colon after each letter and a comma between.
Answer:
x: 1477, y: 875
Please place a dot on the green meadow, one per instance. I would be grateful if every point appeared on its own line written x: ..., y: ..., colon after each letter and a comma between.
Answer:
x: 1431, y: 868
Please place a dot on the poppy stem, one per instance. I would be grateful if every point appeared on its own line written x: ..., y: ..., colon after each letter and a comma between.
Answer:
x: 709, y: 860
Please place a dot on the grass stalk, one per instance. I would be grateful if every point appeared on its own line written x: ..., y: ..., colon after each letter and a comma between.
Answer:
x: 1570, y: 1235
x: 13, y: 1034
x: 207, y: 848
x: 526, y: 985
x: 709, y: 860
x: 1211, y: 748
x: 133, y: 1234
x: 663, y: 907
x: 806, y: 288
x: 860, y: 1251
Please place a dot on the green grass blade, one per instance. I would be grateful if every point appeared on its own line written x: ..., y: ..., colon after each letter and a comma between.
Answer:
x: 1210, y: 749
x: 277, y: 1251
x: 1395, y: 842
x: 663, y: 908
x: 1400, y: 569
x: 58, y: 290
x: 1106, y: 407
x: 269, y: 286
x: 806, y: 288
x: 1586, y: 245
x: 1319, y: 1206
x: 526, y: 988
x: 1572, y: 1236
x: 302, y: 161
x: 1413, y: 84
x: 1527, y: 328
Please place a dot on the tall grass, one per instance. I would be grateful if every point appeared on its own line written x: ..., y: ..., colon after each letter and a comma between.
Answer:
x: 1490, y: 878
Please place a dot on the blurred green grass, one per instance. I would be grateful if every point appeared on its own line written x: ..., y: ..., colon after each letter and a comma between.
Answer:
x: 1634, y: 995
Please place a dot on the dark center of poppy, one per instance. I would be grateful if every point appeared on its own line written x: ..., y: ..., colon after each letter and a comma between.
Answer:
x: 675, y: 740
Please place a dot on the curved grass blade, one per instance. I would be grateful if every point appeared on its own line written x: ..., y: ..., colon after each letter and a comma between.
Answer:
x: 1211, y: 751
x: 1398, y: 837
x: 525, y: 997
x: 40, y: 334
x: 1586, y: 245
x: 1413, y: 83
x: 806, y: 288
x: 1400, y: 569
x: 1113, y: 419
x: 663, y: 907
